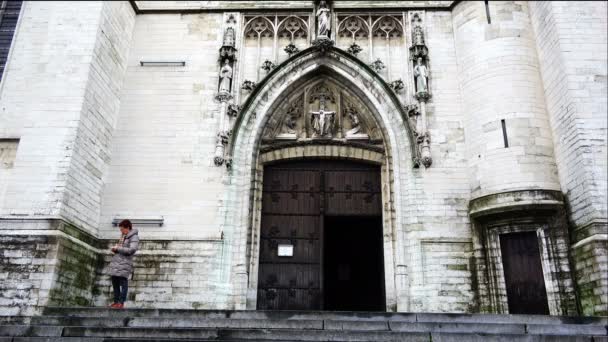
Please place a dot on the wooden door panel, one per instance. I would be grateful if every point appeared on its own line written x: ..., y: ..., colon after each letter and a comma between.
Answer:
x: 284, y: 179
x: 277, y: 203
x: 290, y: 226
x: 304, y: 251
x: 357, y: 181
x: 296, y: 196
x: 303, y: 276
x: 526, y: 293
x: 353, y: 204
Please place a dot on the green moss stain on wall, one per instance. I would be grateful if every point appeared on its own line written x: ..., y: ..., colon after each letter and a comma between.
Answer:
x: 75, y: 275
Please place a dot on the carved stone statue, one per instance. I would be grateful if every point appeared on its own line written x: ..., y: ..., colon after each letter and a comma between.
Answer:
x: 288, y: 130
x: 324, y: 20
x: 355, y: 124
x: 322, y: 121
x: 354, y: 133
x: 290, y: 124
x: 421, y: 74
x: 225, y: 77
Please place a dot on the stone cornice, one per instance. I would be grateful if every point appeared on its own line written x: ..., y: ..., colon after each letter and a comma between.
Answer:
x: 517, y: 200
x: 155, y: 7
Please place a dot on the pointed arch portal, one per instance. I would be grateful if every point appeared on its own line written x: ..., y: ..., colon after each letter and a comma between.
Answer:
x: 320, y: 104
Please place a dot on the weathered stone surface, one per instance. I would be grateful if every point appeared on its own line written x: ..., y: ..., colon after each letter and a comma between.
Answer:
x: 88, y: 134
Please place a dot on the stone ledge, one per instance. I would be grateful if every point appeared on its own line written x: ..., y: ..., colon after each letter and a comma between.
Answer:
x: 320, y: 150
x: 590, y: 239
x: 519, y: 200
x: 589, y: 229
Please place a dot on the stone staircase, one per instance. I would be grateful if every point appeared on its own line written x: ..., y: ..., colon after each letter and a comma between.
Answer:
x: 101, y: 324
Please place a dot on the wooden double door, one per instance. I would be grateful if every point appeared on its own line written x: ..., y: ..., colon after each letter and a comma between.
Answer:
x: 321, y: 237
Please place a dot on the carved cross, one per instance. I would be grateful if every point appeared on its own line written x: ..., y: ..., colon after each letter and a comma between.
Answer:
x: 322, y: 120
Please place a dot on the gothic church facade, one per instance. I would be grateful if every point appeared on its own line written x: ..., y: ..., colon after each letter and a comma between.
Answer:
x: 421, y: 156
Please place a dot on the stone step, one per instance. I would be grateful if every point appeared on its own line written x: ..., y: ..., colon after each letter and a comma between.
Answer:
x: 329, y: 330
x: 436, y: 337
x: 248, y: 334
x: 100, y: 339
x: 244, y: 314
x: 325, y: 315
x: 163, y: 322
x: 306, y: 335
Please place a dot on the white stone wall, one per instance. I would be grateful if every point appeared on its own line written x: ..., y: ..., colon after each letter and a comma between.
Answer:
x: 41, y: 100
x: 500, y: 79
x: 572, y: 43
x: 74, y: 72
x: 572, y: 46
x: 102, y: 137
x: 438, y: 233
x: 8, y: 152
x: 162, y: 151
x: 91, y: 152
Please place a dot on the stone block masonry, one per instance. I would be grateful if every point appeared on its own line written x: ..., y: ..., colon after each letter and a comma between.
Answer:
x: 74, y: 71
x: 572, y: 40
x: 44, y: 263
x: 88, y: 135
x: 170, y: 274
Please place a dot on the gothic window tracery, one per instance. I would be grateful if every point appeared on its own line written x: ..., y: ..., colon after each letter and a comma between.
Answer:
x: 387, y: 26
x: 293, y: 27
x: 354, y: 27
x: 322, y: 92
x: 258, y: 27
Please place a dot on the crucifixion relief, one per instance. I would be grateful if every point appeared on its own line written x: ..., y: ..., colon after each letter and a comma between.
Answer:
x: 322, y: 121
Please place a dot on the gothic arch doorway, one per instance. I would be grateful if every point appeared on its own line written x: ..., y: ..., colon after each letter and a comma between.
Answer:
x: 321, y: 237
x: 281, y: 120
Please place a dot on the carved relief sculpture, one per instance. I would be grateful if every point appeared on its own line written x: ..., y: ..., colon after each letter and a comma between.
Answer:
x: 221, y: 141
x: 419, y: 53
x: 227, y: 55
x: 228, y: 51
x: 354, y: 132
x: 418, y: 36
x: 322, y: 121
x: 418, y: 48
x: 355, y: 124
x: 288, y: 130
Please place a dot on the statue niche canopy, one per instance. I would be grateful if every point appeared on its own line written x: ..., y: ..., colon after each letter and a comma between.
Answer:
x: 322, y: 111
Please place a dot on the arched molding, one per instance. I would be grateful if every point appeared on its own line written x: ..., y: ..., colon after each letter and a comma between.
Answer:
x: 316, y: 151
x: 311, y: 60
x: 241, y: 222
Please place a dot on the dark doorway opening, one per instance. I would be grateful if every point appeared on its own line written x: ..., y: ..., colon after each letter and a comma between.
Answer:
x: 320, y: 219
x: 353, y: 272
x: 526, y: 293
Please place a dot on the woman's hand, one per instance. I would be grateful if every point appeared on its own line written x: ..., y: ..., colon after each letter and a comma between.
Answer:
x: 114, y: 249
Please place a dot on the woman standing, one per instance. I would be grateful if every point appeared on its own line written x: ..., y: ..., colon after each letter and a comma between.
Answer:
x: 121, y: 266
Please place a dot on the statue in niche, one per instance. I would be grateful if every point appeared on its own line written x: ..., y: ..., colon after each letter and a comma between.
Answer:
x: 322, y: 121
x: 225, y: 77
x: 324, y: 20
x: 421, y: 74
x: 229, y: 37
